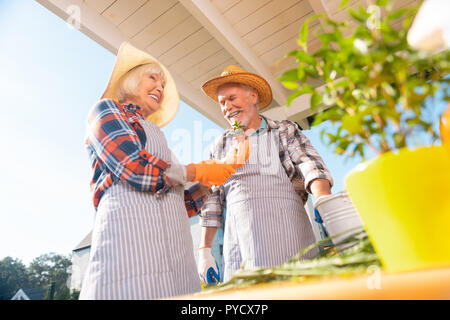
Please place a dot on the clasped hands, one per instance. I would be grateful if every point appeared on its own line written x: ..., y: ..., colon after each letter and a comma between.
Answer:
x: 211, y: 172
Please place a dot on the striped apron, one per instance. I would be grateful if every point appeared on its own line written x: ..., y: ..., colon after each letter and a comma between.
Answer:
x: 141, y: 244
x: 266, y: 222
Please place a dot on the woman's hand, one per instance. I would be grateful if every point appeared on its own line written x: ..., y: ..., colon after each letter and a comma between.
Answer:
x: 216, y: 172
x: 175, y: 174
x: 210, y: 172
x: 169, y: 182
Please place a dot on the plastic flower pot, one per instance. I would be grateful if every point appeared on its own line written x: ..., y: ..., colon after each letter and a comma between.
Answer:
x: 340, y: 217
x: 403, y: 200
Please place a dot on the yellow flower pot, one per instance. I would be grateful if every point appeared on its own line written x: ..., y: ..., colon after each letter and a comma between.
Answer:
x: 404, y: 202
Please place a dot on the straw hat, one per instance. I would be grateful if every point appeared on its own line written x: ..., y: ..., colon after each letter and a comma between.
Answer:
x: 130, y: 57
x: 236, y: 74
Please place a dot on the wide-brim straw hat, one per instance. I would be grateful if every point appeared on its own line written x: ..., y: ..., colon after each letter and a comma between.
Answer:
x: 130, y: 57
x: 235, y: 74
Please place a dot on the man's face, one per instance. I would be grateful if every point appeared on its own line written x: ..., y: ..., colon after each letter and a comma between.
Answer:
x: 237, y: 104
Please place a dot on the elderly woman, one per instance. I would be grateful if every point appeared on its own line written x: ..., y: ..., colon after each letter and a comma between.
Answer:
x: 141, y: 242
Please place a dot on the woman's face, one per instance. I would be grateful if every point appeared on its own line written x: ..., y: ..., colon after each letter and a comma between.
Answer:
x: 150, y: 93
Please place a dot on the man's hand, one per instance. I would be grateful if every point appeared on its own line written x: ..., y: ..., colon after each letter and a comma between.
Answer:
x: 320, y: 187
x: 208, y: 270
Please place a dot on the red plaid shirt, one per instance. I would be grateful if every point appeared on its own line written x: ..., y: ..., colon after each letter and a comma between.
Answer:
x: 115, y: 143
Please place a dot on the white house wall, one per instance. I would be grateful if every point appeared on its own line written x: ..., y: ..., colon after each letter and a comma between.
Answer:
x: 80, y: 260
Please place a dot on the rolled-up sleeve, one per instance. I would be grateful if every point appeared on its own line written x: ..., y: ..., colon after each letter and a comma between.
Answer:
x: 194, y: 199
x: 211, y: 214
x: 307, y: 161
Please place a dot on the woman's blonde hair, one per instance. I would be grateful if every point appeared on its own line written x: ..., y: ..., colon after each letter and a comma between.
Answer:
x: 130, y: 81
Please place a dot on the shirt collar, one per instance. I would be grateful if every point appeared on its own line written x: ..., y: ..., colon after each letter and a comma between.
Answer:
x: 261, y: 128
x: 265, y: 124
x: 270, y: 123
x: 133, y: 108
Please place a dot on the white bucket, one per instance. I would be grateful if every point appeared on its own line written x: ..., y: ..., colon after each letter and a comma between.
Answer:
x: 339, y: 215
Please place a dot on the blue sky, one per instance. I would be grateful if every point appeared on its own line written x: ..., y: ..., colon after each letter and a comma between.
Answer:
x: 51, y: 75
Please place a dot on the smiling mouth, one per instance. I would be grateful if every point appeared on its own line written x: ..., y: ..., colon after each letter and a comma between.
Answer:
x: 234, y: 114
x: 154, y: 97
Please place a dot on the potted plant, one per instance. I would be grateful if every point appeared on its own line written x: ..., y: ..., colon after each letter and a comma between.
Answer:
x: 377, y: 93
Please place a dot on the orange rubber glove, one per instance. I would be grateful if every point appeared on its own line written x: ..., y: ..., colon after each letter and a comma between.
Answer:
x: 212, y: 172
x: 216, y: 172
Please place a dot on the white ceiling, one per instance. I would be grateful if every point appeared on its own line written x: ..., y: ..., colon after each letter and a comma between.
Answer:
x: 196, y: 39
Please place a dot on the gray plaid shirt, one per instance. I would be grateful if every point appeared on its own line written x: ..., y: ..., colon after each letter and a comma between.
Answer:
x: 300, y: 160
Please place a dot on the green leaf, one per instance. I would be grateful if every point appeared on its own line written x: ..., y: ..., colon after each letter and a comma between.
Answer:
x: 356, y: 75
x: 306, y: 89
x: 315, y: 100
x: 291, y: 53
x: 302, y: 56
x: 356, y: 16
x: 326, y: 38
x: 301, y: 75
x: 311, y: 71
x: 292, y: 97
x: 342, y: 83
x: 407, y: 22
x: 343, y: 4
x: 352, y: 124
x: 396, y: 14
x: 289, y: 75
x: 303, y: 37
x: 382, y: 3
x: 291, y: 85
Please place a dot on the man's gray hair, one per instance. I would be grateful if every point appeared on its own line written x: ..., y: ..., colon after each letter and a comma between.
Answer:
x: 130, y: 81
x: 247, y: 89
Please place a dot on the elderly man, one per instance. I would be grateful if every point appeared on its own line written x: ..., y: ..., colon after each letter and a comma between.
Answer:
x: 266, y: 223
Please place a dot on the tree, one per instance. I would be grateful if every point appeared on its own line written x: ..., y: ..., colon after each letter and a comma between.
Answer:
x: 48, y: 268
x: 376, y: 85
x: 13, y: 276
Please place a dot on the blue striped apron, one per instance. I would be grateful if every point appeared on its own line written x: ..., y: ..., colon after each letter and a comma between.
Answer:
x: 266, y: 222
x: 141, y: 244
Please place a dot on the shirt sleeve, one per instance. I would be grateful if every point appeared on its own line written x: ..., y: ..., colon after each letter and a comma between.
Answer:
x: 119, y: 148
x: 305, y: 158
x: 211, y: 214
x: 194, y: 198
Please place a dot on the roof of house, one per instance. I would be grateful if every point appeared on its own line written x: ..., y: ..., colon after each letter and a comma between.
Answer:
x: 85, y: 243
x: 35, y: 293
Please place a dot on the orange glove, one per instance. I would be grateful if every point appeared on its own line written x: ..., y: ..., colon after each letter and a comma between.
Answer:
x: 216, y: 172
x: 239, y: 154
x: 212, y: 172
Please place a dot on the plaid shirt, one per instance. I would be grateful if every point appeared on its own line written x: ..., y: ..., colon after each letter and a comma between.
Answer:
x: 300, y: 160
x: 115, y: 143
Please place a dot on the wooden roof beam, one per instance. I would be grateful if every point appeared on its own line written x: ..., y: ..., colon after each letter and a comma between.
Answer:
x: 107, y: 35
x: 213, y: 21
